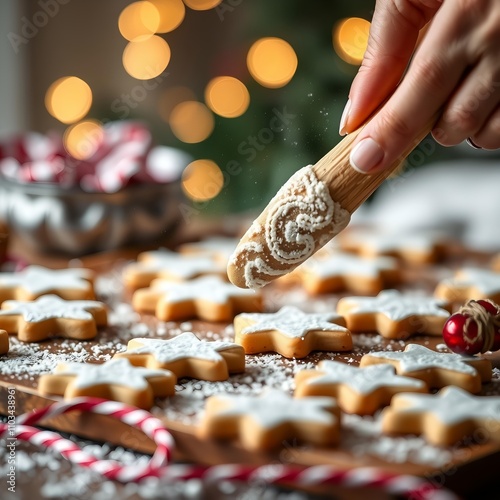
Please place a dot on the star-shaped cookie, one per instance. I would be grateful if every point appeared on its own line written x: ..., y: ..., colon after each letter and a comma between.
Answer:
x: 4, y: 342
x: 444, y: 418
x: 34, y: 281
x: 49, y: 315
x: 470, y: 283
x: 358, y: 390
x: 343, y: 271
x: 267, y: 421
x: 436, y: 369
x: 291, y: 332
x: 170, y: 266
x: 415, y: 247
x: 115, y: 379
x: 187, y: 356
x: 394, y: 315
x: 208, y: 298
x: 219, y: 248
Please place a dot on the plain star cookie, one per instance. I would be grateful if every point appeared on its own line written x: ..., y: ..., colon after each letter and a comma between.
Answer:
x: 444, y: 418
x: 358, y: 390
x: 414, y: 247
x: 50, y: 316
x: 169, y: 266
x: 436, y: 369
x: 187, y: 356
x: 269, y: 420
x: 4, y: 342
x: 394, y: 315
x: 339, y: 271
x: 470, y: 283
x: 291, y: 332
x: 208, y: 298
x: 115, y: 379
x: 35, y: 281
x: 219, y: 248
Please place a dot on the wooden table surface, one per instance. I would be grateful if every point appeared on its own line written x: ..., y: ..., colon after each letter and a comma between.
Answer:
x: 470, y: 469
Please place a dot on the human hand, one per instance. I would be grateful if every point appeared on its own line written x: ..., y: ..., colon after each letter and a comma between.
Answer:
x: 454, y: 74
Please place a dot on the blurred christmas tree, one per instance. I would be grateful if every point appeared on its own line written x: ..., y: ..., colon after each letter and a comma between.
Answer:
x: 288, y: 127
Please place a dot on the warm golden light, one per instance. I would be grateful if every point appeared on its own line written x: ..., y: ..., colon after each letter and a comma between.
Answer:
x: 227, y: 96
x: 350, y: 39
x: 146, y: 58
x: 272, y: 62
x: 138, y: 19
x: 191, y: 121
x: 202, y: 4
x: 202, y: 180
x: 82, y: 139
x: 171, y: 14
x: 171, y: 97
x: 68, y: 99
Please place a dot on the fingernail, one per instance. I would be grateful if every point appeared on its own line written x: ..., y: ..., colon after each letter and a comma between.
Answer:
x: 366, y: 155
x: 344, y: 117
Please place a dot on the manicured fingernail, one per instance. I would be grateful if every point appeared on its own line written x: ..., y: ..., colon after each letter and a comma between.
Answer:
x: 366, y: 155
x: 344, y: 117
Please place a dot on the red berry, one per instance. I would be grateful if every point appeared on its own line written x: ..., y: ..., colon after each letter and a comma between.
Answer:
x: 455, y: 336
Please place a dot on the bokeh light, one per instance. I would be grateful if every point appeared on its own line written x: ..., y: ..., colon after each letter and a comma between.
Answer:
x: 146, y: 58
x: 227, y: 96
x: 202, y: 4
x: 350, y: 39
x: 202, y: 180
x: 68, y: 99
x: 171, y: 97
x: 191, y: 121
x: 138, y: 19
x: 171, y: 14
x: 82, y: 139
x: 272, y: 62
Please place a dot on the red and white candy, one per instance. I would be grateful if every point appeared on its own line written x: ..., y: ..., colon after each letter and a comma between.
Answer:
x: 124, y: 156
x: 474, y: 328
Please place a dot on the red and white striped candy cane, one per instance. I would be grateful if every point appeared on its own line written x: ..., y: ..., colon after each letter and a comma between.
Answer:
x: 411, y: 487
x: 111, y: 469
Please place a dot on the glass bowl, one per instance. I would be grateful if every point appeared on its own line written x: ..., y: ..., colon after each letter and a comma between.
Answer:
x: 73, y: 222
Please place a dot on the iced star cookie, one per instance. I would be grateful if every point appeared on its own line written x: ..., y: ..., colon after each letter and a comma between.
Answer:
x: 394, y: 315
x: 291, y: 332
x: 436, y: 369
x: 169, y: 266
x: 342, y: 271
x: 470, y: 283
x: 208, y: 298
x: 4, y: 342
x: 219, y: 248
x: 358, y: 390
x: 443, y: 418
x: 267, y: 421
x: 414, y: 247
x: 49, y: 316
x: 115, y: 379
x: 35, y: 281
x: 187, y: 356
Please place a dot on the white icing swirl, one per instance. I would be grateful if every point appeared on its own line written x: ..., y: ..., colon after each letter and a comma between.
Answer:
x: 300, y: 219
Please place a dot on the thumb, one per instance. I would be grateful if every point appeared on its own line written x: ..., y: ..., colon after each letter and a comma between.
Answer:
x: 393, y: 35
